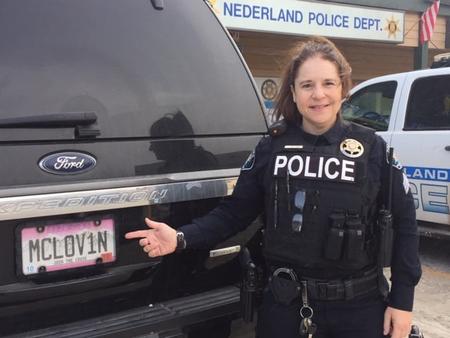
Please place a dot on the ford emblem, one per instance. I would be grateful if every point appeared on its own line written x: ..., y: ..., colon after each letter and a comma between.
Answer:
x: 67, y: 163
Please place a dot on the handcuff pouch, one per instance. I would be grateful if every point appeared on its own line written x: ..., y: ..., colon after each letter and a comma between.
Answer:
x: 285, y: 291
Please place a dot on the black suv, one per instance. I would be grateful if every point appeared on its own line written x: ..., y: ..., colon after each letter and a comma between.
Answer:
x: 110, y: 111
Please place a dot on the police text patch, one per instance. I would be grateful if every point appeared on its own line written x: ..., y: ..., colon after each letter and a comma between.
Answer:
x: 307, y: 166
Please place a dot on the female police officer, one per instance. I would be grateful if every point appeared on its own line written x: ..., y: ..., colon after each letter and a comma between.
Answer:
x: 320, y: 182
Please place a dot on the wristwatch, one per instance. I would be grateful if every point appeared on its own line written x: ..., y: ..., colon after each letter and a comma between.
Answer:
x: 181, y: 242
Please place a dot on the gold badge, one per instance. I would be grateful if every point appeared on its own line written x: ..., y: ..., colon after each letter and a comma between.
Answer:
x: 351, y: 148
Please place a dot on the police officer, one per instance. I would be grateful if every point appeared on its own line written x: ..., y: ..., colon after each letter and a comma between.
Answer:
x: 320, y: 182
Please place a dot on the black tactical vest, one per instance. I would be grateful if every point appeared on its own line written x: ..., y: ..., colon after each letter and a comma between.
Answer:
x: 321, y: 208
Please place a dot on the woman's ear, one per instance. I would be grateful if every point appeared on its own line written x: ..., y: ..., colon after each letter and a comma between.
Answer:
x: 293, y: 93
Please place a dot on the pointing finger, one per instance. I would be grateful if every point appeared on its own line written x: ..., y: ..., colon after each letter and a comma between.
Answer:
x: 136, y: 234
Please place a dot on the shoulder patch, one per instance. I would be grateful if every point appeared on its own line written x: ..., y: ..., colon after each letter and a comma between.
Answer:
x: 405, y: 183
x: 249, y: 162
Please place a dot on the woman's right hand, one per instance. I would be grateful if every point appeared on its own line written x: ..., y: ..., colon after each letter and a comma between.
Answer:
x: 159, y: 240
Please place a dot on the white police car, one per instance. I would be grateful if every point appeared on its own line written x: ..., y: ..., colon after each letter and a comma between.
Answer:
x: 411, y: 111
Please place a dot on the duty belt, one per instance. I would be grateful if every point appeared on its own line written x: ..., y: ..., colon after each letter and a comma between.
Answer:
x: 337, y: 289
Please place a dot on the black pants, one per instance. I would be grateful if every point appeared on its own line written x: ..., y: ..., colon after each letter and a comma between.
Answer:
x: 356, y: 318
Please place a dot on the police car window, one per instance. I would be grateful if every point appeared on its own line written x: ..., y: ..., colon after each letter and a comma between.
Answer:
x: 371, y: 106
x: 429, y: 104
x: 130, y: 72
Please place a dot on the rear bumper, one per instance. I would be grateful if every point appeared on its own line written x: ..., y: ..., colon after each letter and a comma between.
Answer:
x: 434, y: 230
x: 155, y: 320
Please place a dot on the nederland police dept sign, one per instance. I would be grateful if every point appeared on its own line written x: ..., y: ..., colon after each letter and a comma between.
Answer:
x: 311, y: 18
x: 67, y: 163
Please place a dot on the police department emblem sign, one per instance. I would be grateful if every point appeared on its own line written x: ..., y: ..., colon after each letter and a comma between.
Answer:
x: 269, y: 89
x: 351, y: 148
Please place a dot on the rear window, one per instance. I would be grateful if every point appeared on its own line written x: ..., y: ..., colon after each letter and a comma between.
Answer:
x: 133, y: 65
x: 429, y: 104
x: 371, y: 106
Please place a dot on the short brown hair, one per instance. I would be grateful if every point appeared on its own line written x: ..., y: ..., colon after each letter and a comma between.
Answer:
x: 315, y: 46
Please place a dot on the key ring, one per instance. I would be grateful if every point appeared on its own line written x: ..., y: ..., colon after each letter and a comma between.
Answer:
x: 305, y: 307
x: 309, y: 312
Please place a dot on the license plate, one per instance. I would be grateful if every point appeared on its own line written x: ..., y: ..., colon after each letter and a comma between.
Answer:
x: 62, y: 246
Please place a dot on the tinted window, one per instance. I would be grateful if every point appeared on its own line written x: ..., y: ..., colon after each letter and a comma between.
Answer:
x: 429, y: 104
x: 371, y: 106
x: 131, y: 64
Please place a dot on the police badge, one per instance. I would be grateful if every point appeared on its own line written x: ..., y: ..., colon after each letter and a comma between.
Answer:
x: 351, y: 148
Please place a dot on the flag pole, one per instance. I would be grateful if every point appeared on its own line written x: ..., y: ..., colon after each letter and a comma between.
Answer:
x: 421, y: 55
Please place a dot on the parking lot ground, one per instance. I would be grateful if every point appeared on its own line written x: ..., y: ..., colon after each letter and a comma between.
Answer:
x: 432, y: 301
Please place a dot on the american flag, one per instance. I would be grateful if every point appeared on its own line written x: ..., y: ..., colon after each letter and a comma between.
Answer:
x: 428, y: 21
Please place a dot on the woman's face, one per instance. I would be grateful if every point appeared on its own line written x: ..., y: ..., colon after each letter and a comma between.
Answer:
x: 317, y: 92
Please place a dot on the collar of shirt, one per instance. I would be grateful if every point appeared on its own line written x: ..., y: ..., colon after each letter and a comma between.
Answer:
x: 331, y: 136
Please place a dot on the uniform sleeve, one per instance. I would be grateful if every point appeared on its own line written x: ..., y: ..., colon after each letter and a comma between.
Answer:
x: 236, y: 212
x: 405, y: 266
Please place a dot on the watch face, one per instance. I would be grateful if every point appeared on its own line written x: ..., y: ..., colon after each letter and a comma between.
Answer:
x: 180, y: 236
x: 181, y: 243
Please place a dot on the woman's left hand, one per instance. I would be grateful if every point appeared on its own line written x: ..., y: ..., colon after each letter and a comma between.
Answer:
x: 397, y: 322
